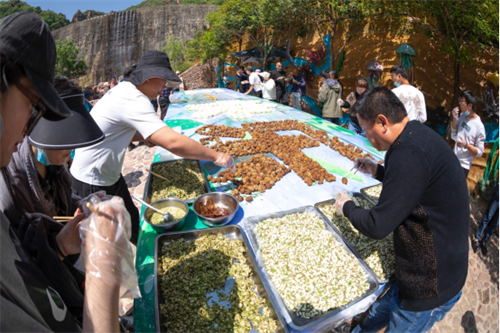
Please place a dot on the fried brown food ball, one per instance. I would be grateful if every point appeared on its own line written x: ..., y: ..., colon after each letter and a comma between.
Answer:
x: 210, y: 178
x: 344, y: 180
x: 235, y: 192
x: 240, y: 198
x: 249, y: 199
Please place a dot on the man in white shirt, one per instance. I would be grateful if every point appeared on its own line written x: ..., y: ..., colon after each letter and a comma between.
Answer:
x: 254, y: 80
x: 268, y: 87
x: 468, y: 131
x: 411, y: 97
x: 125, y: 114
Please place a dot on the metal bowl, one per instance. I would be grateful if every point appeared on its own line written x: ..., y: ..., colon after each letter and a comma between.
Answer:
x: 162, y: 203
x: 221, y: 200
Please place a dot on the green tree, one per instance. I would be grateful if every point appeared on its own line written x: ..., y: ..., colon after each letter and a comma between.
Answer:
x: 54, y: 21
x: 176, y: 50
x: 67, y: 62
x: 458, y: 28
x: 327, y: 17
x: 266, y: 24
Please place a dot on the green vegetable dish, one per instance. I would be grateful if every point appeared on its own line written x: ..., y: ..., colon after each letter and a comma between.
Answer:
x: 205, y: 265
x: 185, y: 181
x: 378, y: 254
x: 177, y: 213
x: 309, y: 268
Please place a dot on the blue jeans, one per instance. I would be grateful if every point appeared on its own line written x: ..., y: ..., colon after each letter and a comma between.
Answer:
x: 356, y: 129
x: 489, y: 223
x: 387, y: 312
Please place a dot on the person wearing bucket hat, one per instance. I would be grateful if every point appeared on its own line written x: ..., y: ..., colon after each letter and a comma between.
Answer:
x: 37, y: 176
x: 125, y: 114
x: 32, y: 301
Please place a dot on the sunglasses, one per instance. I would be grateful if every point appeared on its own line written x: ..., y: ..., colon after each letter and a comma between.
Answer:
x: 38, y: 107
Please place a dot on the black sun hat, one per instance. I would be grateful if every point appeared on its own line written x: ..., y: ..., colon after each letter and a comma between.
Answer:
x: 154, y: 64
x: 26, y: 40
x: 77, y: 131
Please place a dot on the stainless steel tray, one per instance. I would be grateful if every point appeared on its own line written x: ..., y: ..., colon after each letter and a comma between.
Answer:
x: 366, y: 196
x: 353, y: 249
x: 232, y: 232
x: 296, y: 322
x: 149, y: 184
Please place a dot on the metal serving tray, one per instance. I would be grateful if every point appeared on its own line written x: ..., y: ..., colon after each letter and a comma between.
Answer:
x: 353, y: 249
x: 296, y: 322
x: 149, y: 184
x: 232, y: 232
x: 366, y: 196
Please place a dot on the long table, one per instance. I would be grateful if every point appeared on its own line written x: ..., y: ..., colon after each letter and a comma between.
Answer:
x: 289, y: 193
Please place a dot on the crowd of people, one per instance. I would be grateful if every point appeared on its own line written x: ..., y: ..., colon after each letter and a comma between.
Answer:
x: 424, y: 202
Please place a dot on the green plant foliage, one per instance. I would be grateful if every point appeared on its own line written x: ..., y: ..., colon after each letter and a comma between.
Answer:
x: 265, y: 24
x: 176, y: 50
x: 67, y: 62
x: 460, y: 29
x: 54, y: 21
x: 82, y: 16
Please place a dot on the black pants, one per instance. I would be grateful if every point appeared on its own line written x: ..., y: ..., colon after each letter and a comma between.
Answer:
x: 119, y: 189
x: 336, y: 121
x: 164, y: 103
x: 466, y: 172
x: 257, y: 93
x: 282, y: 97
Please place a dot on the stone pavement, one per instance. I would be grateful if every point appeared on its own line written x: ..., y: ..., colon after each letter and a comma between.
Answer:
x: 134, y: 166
x: 477, y: 309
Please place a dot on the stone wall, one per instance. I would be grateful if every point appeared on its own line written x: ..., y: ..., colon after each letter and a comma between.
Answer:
x: 111, y: 43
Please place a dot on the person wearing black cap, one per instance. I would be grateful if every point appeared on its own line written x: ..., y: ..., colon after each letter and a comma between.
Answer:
x: 36, y: 181
x: 29, y: 299
x: 125, y: 114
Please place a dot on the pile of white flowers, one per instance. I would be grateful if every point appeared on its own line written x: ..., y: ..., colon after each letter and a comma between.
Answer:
x: 239, y: 109
x: 378, y: 254
x: 373, y: 192
x: 312, y: 272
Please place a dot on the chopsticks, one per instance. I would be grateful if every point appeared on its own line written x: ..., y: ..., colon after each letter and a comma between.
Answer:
x: 93, y: 209
x: 63, y: 218
x: 155, y: 174
x: 352, y: 175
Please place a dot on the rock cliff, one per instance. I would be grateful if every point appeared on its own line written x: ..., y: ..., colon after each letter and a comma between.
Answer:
x: 111, y: 43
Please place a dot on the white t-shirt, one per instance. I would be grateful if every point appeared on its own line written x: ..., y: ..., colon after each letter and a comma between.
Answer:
x: 253, y: 79
x: 472, y: 131
x: 269, y: 89
x: 413, y: 100
x: 120, y: 113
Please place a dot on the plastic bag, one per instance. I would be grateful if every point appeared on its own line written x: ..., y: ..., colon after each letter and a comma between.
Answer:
x: 106, y: 250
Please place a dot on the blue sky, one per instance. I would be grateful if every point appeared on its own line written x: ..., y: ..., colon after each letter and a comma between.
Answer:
x: 69, y: 7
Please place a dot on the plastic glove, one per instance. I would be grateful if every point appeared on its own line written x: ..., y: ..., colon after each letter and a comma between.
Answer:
x: 340, y: 101
x: 340, y: 201
x: 366, y: 166
x: 455, y: 112
x: 226, y: 161
x: 106, y: 251
x: 82, y: 204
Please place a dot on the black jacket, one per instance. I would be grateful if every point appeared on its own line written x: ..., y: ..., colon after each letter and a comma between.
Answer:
x: 280, y: 84
x: 242, y: 88
x: 425, y: 202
